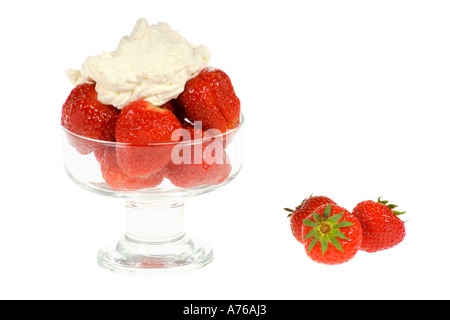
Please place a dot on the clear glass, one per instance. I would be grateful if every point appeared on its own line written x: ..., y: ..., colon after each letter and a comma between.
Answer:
x: 154, y: 181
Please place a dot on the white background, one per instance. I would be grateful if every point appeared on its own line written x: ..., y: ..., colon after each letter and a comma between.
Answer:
x: 347, y: 99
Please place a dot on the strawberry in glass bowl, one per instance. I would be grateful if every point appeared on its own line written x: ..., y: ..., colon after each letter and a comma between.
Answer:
x: 154, y: 157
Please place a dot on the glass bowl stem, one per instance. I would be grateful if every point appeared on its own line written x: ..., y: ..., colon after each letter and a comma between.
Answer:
x: 155, y: 241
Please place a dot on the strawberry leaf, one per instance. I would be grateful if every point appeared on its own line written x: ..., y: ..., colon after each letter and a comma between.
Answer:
x: 311, y: 234
x: 336, y: 217
x: 290, y: 212
x: 309, y: 223
x: 313, y: 243
x: 335, y: 242
x: 343, y: 224
x: 324, y: 244
x: 339, y: 234
x: 317, y: 217
x: 326, y: 212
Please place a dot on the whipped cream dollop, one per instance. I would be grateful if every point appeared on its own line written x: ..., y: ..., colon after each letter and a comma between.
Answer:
x: 153, y: 63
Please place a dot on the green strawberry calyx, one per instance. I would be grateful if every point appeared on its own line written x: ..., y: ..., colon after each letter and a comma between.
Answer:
x: 291, y: 211
x: 326, y: 229
x: 391, y: 206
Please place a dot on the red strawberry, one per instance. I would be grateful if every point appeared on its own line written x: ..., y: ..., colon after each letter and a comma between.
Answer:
x: 140, y: 124
x: 308, y: 206
x: 206, y: 161
x: 173, y: 106
x: 382, y: 229
x: 193, y: 132
x: 210, y: 98
x: 333, y: 235
x: 118, y: 180
x: 84, y: 115
x: 211, y: 134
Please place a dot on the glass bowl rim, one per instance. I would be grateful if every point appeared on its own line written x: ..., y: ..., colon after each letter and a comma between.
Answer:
x: 123, y: 144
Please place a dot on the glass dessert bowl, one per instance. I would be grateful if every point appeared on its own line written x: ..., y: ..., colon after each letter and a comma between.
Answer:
x: 154, y: 180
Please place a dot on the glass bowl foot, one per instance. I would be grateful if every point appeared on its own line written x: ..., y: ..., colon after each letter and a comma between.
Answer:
x: 177, y: 256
